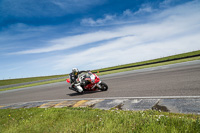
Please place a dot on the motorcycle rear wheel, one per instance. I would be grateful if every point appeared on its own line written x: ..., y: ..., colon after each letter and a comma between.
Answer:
x: 104, y: 86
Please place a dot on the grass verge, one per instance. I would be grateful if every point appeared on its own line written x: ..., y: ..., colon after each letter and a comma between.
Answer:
x: 148, y: 66
x: 23, y: 80
x: 164, y: 59
x: 52, y: 120
x: 35, y: 84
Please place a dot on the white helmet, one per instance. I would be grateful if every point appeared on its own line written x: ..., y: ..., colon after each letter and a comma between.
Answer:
x: 75, y: 71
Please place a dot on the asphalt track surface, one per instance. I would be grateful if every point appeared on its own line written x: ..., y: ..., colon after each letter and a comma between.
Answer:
x: 171, y: 80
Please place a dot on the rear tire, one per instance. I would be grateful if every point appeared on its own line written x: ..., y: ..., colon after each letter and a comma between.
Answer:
x: 104, y: 86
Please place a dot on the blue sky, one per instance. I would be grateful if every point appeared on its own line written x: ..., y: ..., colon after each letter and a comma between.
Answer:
x: 50, y: 37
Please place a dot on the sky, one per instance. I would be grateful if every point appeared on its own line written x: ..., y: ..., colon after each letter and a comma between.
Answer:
x: 50, y: 37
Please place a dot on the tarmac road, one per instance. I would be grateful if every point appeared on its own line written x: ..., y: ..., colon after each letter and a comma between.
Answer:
x: 181, y: 79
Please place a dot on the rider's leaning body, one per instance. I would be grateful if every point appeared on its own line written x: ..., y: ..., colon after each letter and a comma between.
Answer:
x: 74, y: 75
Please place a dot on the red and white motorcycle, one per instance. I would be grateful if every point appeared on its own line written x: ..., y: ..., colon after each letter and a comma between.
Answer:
x: 88, y: 81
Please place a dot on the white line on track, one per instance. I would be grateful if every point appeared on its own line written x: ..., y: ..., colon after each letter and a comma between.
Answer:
x: 152, y: 97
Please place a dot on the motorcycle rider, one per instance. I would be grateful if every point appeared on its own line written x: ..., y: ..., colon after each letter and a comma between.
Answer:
x: 74, y: 75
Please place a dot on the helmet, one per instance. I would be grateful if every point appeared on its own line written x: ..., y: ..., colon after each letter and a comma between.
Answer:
x: 75, y: 71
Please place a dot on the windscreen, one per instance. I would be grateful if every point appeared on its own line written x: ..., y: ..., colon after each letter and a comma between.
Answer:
x: 88, y: 75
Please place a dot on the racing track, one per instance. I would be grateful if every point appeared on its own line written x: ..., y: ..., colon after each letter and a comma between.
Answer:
x: 172, y: 80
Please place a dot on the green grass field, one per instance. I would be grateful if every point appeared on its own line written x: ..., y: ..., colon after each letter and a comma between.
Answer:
x: 87, y: 120
x: 78, y: 120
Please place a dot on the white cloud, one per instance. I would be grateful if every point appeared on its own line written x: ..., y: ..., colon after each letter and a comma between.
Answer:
x: 126, y: 16
x: 178, y: 32
x: 124, y: 50
x: 100, y: 21
x: 144, y: 9
x: 73, y: 41
x: 165, y: 3
x: 127, y: 12
x: 175, y: 23
x: 169, y: 32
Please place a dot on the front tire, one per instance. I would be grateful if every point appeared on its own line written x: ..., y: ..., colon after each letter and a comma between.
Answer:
x: 79, y: 89
x: 104, y: 86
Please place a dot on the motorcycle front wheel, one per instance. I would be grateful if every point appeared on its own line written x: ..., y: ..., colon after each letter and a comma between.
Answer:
x: 79, y: 89
x: 104, y: 86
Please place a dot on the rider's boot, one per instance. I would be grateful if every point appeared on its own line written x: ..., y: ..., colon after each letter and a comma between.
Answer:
x: 72, y: 88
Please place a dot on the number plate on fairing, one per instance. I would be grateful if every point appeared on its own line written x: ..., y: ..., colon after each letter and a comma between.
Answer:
x: 92, y: 78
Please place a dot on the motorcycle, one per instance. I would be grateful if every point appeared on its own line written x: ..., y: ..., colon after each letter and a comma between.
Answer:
x: 87, y: 81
